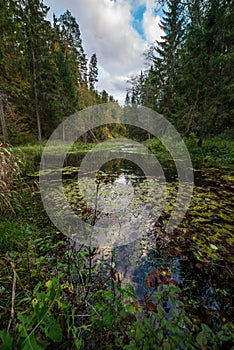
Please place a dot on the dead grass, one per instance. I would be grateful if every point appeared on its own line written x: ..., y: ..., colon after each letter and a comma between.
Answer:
x: 9, y: 173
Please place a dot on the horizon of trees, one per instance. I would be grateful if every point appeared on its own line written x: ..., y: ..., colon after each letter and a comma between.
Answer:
x: 45, y: 74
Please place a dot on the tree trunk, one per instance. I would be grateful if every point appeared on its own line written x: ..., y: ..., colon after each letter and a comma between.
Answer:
x: 36, y: 93
x: 3, y: 123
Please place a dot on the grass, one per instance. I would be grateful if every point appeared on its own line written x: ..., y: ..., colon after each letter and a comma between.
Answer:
x: 216, y: 151
x: 9, y: 173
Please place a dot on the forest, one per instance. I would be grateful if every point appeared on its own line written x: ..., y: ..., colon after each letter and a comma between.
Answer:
x: 159, y: 289
x: 45, y: 73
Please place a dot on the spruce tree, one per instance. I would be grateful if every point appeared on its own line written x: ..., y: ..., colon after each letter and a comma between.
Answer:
x: 168, y: 52
x: 39, y: 48
x: 93, y: 72
x: 71, y: 44
x: 14, y: 80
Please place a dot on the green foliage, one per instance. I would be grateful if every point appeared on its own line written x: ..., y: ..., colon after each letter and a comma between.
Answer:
x: 191, y: 75
x: 7, y: 340
x: 40, y: 321
x: 112, y: 315
x: 215, y: 151
x: 44, y: 70
x: 114, y: 322
x: 165, y: 329
x: 157, y: 148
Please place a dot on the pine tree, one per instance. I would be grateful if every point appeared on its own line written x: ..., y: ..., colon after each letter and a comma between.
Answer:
x: 71, y: 44
x: 151, y: 95
x: 127, y: 99
x: 205, y: 80
x: 43, y: 69
x: 93, y: 72
x: 39, y: 45
x: 14, y: 81
x: 104, y: 97
x: 66, y: 84
x: 191, y: 77
x: 137, y: 90
x: 168, y: 50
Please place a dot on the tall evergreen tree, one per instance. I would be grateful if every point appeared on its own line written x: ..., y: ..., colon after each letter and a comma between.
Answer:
x: 43, y: 68
x: 168, y: 52
x: 203, y: 81
x: 14, y: 81
x: 37, y: 32
x: 71, y: 43
x: 104, y: 97
x: 191, y: 77
x: 93, y: 71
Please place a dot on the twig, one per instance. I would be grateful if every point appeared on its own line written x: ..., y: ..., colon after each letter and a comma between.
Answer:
x: 94, y: 136
x: 12, y: 318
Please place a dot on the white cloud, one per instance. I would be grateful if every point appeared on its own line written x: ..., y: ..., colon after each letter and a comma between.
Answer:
x: 107, y: 31
x: 151, y: 23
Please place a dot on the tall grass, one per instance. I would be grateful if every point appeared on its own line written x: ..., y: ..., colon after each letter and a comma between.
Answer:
x: 9, y: 173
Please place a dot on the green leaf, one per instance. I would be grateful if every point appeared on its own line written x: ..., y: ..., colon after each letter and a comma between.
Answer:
x: 201, y: 339
x: 31, y: 344
x: 108, y: 319
x: 160, y: 336
x: 139, y: 334
x: 206, y: 329
x: 54, y: 332
x: 78, y: 344
x: 166, y: 346
x: 7, y: 340
x: 130, y: 308
x: 26, y: 320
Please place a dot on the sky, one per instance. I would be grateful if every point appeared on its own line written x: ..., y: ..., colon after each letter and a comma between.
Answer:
x: 118, y: 31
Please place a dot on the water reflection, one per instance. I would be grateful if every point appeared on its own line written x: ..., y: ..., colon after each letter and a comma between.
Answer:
x: 198, y: 256
x: 206, y: 281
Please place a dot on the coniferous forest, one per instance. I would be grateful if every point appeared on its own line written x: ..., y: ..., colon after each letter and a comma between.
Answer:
x: 45, y: 73
x: 190, y: 79
x: 160, y: 290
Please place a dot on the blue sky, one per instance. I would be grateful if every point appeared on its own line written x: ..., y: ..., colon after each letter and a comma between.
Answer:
x: 118, y: 31
x: 137, y: 21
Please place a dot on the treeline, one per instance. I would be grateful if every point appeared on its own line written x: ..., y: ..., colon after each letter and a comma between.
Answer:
x: 44, y: 72
x: 191, y: 75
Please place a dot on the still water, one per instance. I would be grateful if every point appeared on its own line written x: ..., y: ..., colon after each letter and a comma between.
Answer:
x: 198, y: 255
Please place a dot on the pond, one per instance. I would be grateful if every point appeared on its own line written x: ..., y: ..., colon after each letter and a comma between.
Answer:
x: 197, y: 255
